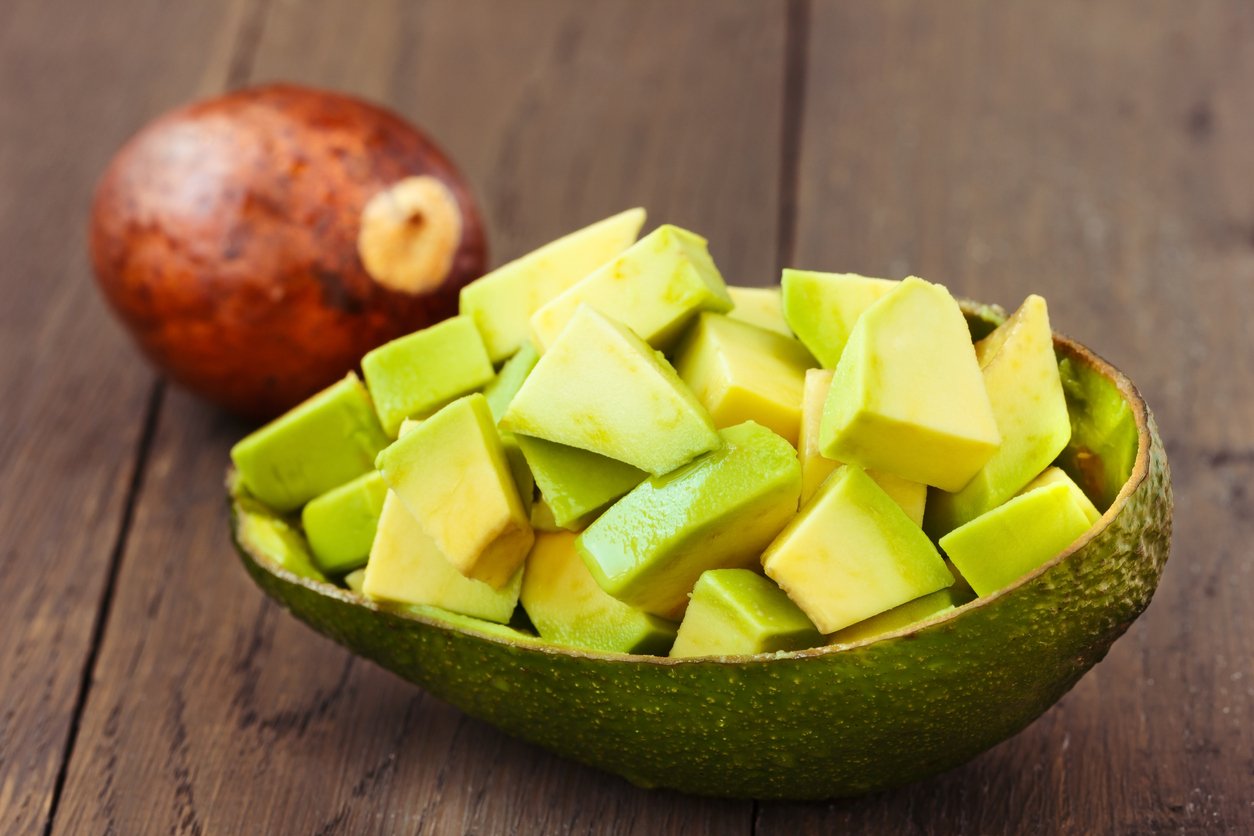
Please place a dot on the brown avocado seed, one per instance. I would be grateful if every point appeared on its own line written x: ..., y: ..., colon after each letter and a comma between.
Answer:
x: 257, y: 244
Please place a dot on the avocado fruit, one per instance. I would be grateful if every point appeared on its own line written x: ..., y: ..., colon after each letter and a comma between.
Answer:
x: 831, y: 721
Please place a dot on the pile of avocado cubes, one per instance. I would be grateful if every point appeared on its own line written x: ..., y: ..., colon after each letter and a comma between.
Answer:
x: 644, y: 460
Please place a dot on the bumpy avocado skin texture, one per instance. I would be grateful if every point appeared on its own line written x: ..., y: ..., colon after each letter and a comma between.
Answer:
x: 812, y: 724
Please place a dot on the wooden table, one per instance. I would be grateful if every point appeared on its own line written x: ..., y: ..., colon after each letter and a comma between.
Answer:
x: 1099, y: 153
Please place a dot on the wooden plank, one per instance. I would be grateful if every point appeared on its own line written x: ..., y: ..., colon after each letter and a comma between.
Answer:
x: 75, y: 79
x: 214, y: 711
x: 1098, y: 154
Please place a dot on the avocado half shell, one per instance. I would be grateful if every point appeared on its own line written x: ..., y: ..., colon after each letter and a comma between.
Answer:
x: 819, y: 723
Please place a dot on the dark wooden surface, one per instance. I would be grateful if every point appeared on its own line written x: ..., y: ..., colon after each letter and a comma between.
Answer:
x: 1101, y: 154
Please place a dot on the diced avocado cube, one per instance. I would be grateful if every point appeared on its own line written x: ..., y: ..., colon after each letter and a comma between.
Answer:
x: 502, y: 302
x: 822, y: 308
x: 741, y: 373
x: 340, y: 524
x: 908, y: 397
x: 415, y: 375
x: 567, y: 607
x: 1021, y: 377
x: 815, y: 467
x: 853, y: 553
x: 272, y: 538
x: 356, y: 580
x: 911, y: 612
x: 654, y: 288
x: 600, y: 388
x: 576, y: 484
x: 718, y: 512
x: 1055, y: 475
x: 326, y: 441
x: 997, y: 548
x: 737, y: 612
x: 406, y: 567
x: 501, y: 391
x: 760, y: 306
x: 542, y: 517
x: 452, y: 474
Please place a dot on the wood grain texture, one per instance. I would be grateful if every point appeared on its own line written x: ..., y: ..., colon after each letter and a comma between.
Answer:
x: 75, y: 79
x: 215, y: 712
x: 1099, y: 154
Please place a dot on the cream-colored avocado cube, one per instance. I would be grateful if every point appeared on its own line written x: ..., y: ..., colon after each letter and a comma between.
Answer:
x: 760, y: 306
x: 1000, y: 546
x: 741, y: 372
x: 600, y: 388
x: 654, y: 288
x: 502, y: 302
x: 815, y: 467
x: 1021, y: 376
x: 451, y: 473
x: 406, y: 567
x: 853, y: 553
x: 907, y: 397
x: 822, y: 308
x: 567, y: 607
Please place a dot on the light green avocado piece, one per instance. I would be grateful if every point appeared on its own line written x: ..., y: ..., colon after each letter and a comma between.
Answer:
x: 355, y: 580
x: 576, y: 484
x: 737, y: 612
x: 853, y: 553
x: 501, y: 391
x: 1021, y: 377
x: 907, y: 397
x: 1054, y: 475
x: 273, y: 538
x: 821, y: 308
x: 741, y: 372
x: 452, y: 474
x: 997, y: 548
x: 406, y: 567
x: 1103, y: 434
x: 600, y: 388
x: 415, y: 375
x: 567, y: 607
x: 654, y: 288
x: 717, y: 512
x: 760, y: 306
x: 340, y: 524
x: 911, y: 612
x: 542, y: 517
x: 826, y: 722
x: 324, y: 442
x: 502, y: 302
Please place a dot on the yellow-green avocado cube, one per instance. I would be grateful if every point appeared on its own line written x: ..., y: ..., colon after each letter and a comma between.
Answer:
x: 853, y: 553
x: 600, y: 388
x: 911, y: 612
x: 1025, y: 390
x: 324, y: 442
x: 1000, y: 546
x: 741, y: 372
x: 576, y: 484
x: 907, y: 397
x: 654, y: 288
x: 717, y: 512
x: 451, y: 473
x: 405, y: 567
x: 567, y: 607
x: 413, y: 376
x: 822, y: 308
x: 760, y: 306
x: 737, y: 612
x: 502, y: 302
x: 340, y: 525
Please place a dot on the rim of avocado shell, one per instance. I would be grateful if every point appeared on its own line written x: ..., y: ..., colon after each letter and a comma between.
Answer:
x: 1066, y: 346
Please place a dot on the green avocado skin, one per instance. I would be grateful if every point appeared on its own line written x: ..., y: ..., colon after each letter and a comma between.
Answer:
x: 806, y: 725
